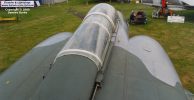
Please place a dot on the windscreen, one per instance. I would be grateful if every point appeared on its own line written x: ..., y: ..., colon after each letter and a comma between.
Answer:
x: 93, y: 36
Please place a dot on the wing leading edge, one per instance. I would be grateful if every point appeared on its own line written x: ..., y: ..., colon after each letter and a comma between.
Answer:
x: 171, y: 4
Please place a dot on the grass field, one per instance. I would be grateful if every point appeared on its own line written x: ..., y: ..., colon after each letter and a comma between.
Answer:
x: 16, y: 38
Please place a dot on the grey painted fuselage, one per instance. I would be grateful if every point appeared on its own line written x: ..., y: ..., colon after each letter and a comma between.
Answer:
x: 97, y: 62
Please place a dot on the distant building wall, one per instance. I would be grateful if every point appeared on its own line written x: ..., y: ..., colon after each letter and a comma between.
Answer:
x: 58, y: 1
x: 113, y: 0
x: 52, y: 1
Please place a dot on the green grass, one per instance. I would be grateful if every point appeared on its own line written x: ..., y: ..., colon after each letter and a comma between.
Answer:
x: 16, y: 38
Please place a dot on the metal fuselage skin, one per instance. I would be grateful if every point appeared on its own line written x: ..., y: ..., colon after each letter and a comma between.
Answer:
x: 97, y: 62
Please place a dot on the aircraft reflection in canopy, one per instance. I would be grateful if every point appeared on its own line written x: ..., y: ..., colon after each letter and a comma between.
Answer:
x: 166, y: 7
x: 97, y: 62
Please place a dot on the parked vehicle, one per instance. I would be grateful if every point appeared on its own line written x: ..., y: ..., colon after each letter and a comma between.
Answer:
x: 138, y: 18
